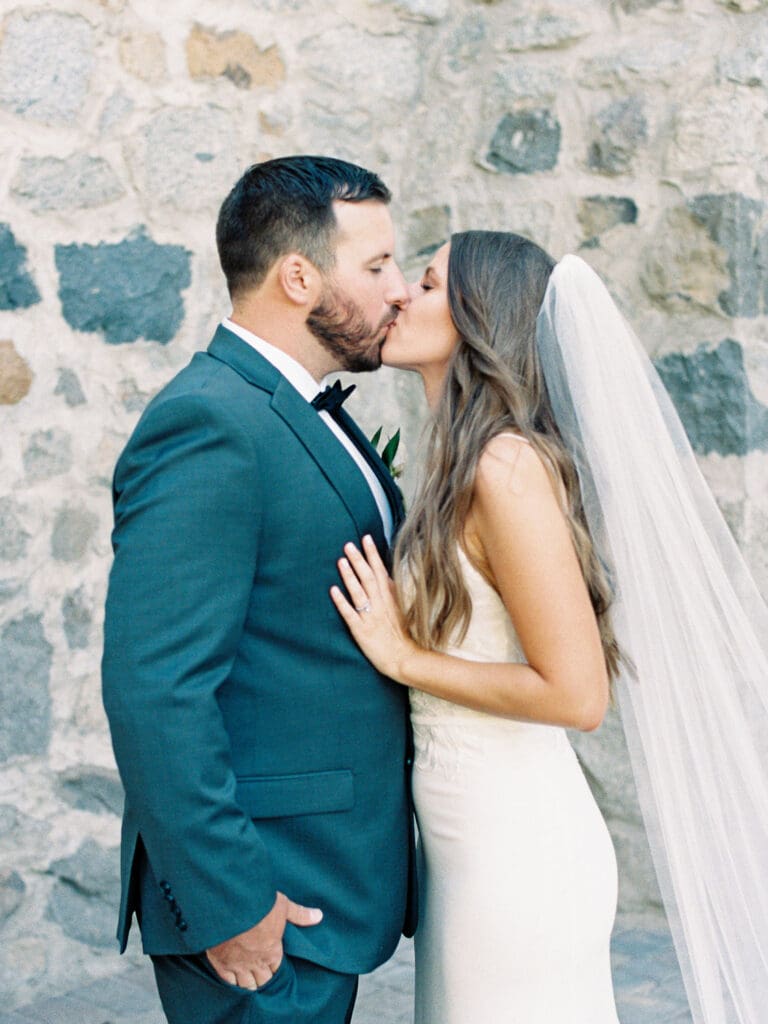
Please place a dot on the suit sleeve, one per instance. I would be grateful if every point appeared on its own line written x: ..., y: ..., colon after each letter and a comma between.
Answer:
x: 185, y: 543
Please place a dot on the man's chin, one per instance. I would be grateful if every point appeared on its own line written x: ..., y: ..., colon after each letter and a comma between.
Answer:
x: 367, y: 361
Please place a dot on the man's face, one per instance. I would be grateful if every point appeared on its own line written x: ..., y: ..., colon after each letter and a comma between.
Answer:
x: 364, y: 290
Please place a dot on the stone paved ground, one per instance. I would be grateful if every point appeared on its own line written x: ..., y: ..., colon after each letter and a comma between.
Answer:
x: 649, y: 990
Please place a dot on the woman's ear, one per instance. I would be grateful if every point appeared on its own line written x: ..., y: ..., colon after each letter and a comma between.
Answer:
x: 299, y: 279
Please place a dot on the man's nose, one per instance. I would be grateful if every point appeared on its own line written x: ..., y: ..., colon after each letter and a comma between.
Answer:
x: 398, y: 293
x: 413, y: 289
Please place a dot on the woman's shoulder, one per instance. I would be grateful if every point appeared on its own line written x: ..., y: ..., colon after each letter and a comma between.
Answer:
x: 510, y: 464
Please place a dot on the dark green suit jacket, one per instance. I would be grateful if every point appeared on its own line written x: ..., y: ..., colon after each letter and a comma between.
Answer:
x: 258, y: 747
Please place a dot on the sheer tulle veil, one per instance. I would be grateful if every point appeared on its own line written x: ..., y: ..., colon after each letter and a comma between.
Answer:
x: 690, y: 618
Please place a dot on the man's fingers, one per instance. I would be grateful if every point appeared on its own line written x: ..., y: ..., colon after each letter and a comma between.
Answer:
x: 250, y: 979
x: 229, y: 976
x: 303, y: 916
x: 234, y: 975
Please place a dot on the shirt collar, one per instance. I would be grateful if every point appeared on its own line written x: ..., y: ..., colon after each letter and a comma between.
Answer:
x: 296, y: 374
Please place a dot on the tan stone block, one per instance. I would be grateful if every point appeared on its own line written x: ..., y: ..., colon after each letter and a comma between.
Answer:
x: 683, y: 266
x: 233, y: 55
x: 15, y: 375
x: 270, y: 124
x: 143, y: 55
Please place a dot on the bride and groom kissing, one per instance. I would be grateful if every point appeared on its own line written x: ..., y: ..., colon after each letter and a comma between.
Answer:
x: 293, y: 669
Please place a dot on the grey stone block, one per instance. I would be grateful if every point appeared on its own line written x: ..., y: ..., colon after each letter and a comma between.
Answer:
x: 115, y: 111
x: 386, y: 995
x: 13, y: 536
x: 9, y: 589
x: 185, y: 157
x: 525, y: 142
x: 337, y: 59
x: 617, y: 132
x: 598, y: 214
x: 9, y: 819
x: 430, y: 12
x: 46, y: 60
x: 647, y: 977
x: 129, y: 290
x: 143, y: 976
x: 747, y: 63
x: 543, y: 32
x: 86, y: 893
x: 428, y: 229
x: 465, y: 44
x: 633, y: 6
x: 73, y: 528
x: 17, y: 289
x: 92, y: 789
x: 132, y: 398
x: 76, y: 618
x: 68, y: 386
x: 121, y: 997
x: 712, y: 394
x: 25, y: 654
x: 734, y: 222
x: 79, y: 182
x: 12, y: 889
x: 64, y: 1010
x: 48, y: 453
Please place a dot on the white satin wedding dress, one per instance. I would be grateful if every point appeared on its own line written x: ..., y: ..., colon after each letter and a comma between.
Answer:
x: 518, y: 873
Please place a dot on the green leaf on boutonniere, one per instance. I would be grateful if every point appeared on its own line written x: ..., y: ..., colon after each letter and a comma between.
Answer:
x: 389, y: 451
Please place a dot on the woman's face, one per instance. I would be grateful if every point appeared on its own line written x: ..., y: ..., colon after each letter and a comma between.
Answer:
x: 423, y: 337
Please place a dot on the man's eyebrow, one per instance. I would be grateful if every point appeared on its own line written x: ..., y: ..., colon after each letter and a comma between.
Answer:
x: 380, y: 256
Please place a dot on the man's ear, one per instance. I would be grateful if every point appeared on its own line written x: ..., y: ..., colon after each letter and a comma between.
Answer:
x: 299, y: 279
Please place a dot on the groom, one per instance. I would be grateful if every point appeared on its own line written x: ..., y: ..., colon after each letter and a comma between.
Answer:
x: 267, y: 843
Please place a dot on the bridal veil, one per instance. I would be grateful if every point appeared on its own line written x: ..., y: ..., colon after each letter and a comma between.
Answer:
x: 694, y: 705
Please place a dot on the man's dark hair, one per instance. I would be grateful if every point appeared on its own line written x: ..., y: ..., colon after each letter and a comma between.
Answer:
x: 283, y: 206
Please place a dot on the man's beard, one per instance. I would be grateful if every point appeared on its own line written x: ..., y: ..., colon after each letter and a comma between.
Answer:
x: 340, y: 326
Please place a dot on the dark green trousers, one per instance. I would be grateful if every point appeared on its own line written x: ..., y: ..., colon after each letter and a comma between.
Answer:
x: 192, y: 993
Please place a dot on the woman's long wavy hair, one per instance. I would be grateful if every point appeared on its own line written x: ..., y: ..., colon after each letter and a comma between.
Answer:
x: 496, y: 285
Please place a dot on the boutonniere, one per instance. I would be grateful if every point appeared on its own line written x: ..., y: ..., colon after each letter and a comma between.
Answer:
x: 388, y: 452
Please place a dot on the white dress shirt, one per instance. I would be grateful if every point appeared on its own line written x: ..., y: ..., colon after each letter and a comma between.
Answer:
x: 306, y: 385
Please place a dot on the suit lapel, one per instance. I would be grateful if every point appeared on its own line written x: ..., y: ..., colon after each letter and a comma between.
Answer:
x: 384, y: 476
x: 335, y: 462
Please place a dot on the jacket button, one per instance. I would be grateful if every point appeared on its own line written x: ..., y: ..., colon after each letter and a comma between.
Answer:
x: 182, y: 926
x: 409, y: 761
x: 165, y: 886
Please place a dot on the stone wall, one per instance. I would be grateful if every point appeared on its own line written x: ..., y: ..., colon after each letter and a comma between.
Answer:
x: 632, y: 131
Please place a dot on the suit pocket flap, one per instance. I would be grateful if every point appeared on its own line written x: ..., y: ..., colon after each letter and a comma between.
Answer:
x: 284, y: 796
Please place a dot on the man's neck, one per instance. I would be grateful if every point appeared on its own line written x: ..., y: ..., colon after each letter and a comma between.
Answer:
x: 295, y: 340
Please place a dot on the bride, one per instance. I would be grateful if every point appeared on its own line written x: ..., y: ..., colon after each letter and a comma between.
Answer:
x: 562, y: 543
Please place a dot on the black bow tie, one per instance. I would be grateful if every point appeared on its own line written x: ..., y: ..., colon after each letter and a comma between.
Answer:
x: 333, y: 397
